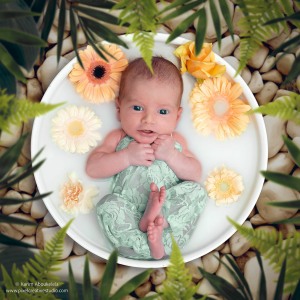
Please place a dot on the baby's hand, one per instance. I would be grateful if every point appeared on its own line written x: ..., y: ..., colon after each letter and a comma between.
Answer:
x: 164, y: 147
x: 140, y: 154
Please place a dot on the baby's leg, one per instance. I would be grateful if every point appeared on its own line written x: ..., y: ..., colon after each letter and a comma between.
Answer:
x: 155, y: 202
x: 154, y: 233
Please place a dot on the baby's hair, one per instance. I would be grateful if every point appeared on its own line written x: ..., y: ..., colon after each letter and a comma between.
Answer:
x: 163, y: 70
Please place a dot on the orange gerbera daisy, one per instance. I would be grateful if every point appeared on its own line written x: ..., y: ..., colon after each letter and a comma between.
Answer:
x: 217, y: 109
x: 99, y: 80
x: 224, y: 185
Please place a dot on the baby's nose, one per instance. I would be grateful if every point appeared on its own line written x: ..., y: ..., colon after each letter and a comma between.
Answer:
x: 148, y: 118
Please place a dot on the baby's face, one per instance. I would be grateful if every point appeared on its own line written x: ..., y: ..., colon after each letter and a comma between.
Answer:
x: 148, y: 109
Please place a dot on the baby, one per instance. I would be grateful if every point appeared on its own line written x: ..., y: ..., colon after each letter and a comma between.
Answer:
x: 155, y: 190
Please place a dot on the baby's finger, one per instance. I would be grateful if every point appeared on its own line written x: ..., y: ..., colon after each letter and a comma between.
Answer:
x: 150, y: 157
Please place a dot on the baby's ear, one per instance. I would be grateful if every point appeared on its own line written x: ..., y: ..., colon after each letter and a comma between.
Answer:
x: 117, y: 103
x: 179, y: 113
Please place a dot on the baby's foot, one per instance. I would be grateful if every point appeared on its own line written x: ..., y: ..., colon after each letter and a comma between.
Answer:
x: 154, y: 233
x: 155, y: 202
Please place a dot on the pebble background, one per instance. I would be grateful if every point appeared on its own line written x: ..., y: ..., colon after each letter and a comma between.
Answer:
x: 265, y: 81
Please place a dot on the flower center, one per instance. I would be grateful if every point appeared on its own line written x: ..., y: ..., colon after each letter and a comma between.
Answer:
x: 221, y: 106
x: 75, y: 128
x: 99, y: 72
x: 224, y: 186
x: 71, y: 192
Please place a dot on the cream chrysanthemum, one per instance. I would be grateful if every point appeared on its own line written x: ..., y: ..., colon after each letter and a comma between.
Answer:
x: 217, y: 109
x: 77, y: 199
x: 99, y: 80
x: 76, y: 129
x: 224, y: 185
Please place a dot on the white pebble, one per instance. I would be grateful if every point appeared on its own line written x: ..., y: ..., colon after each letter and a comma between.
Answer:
x: 267, y: 93
x: 281, y: 163
x: 256, y: 83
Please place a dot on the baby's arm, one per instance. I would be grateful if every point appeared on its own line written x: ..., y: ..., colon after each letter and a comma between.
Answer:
x: 104, y: 161
x: 184, y: 164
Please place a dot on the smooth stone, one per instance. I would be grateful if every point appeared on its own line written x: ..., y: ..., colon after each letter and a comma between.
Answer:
x: 246, y: 75
x: 115, y: 28
x: 7, y: 139
x: 123, y: 274
x: 277, y: 41
x: 241, y: 260
x: 205, y: 288
x: 38, y: 209
x: 39, y: 236
x: 22, y: 160
x: 49, y: 69
x: 282, y: 92
x: 78, y: 249
x: 252, y: 275
x: 77, y: 264
x: 238, y: 14
x: 259, y: 57
x: 298, y: 83
x: 238, y: 243
x: 281, y: 163
x: 193, y: 268
x: 27, y: 230
x: 296, y: 173
x: 34, y: 90
x: 49, y: 220
x: 267, y: 93
x: 287, y: 230
x: 67, y: 19
x: 49, y: 232
x: 227, y: 45
x: 252, y: 213
x: 273, y: 192
x: 95, y: 258
x: 293, y: 129
x: 224, y: 273
x: 285, y: 63
x: 257, y: 220
x: 52, y: 37
x: 226, y: 249
x: 296, y: 141
x: 29, y: 240
x: 211, y: 261
x: 10, y: 231
x: 21, y: 90
x: 232, y: 61
x: 143, y: 289
x: 268, y: 64
x: 27, y: 129
x: 273, y: 76
x: 27, y: 184
x: 28, y: 74
x: 256, y: 83
x: 158, y: 276
x: 275, y: 128
x: 10, y: 209
x: 26, y: 207
x: 267, y: 228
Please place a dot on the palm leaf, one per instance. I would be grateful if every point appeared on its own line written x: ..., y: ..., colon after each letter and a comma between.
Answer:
x: 279, y: 287
x: 262, y: 282
x: 14, y: 201
x: 6, y: 240
x: 296, y: 294
x: 285, y: 108
x: 174, y: 5
x: 201, y: 30
x: 87, y: 285
x: 294, y: 72
x: 286, y: 204
x: 60, y: 29
x: 13, y: 220
x: 293, y: 149
x: 227, y: 16
x: 97, y: 3
x: 283, y: 179
x: 7, y: 79
x: 216, y: 21
x: 48, y: 19
x: 289, y: 45
x: 294, y: 220
x: 72, y: 285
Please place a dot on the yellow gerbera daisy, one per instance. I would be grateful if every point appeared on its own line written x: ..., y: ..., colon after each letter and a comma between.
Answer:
x: 75, y: 129
x: 224, y: 185
x: 217, y: 109
x: 99, y: 80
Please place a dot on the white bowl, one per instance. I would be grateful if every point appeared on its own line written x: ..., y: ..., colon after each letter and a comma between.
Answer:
x: 246, y: 154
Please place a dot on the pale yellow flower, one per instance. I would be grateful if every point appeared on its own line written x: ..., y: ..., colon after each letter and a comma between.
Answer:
x: 99, y: 80
x: 76, y: 129
x: 75, y: 197
x: 224, y: 185
x: 217, y: 109
x: 201, y: 66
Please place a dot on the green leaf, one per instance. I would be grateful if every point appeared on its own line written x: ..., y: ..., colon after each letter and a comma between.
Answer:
x: 14, y: 201
x: 227, y: 16
x: 6, y: 240
x: 99, y: 3
x: 172, y: 5
x: 223, y: 287
x: 280, y: 283
x: 8, y: 14
x: 13, y: 220
x: 295, y: 220
x: 108, y: 276
x: 295, y: 41
x: 296, y: 294
x: 61, y: 28
x: 20, y: 37
x: 7, y: 80
x: 10, y: 156
x: 201, y: 30
x: 262, y: 281
x: 9, y: 63
x: 286, y: 204
x: 216, y: 21
x: 131, y: 285
x: 98, y: 14
x: 293, y: 73
x: 48, y: 19
x: 72, y: 284
x: 87, y: 285
x: 283, y: 179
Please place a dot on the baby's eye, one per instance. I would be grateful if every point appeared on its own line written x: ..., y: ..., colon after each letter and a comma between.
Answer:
x: 137, y: 108
x: 163, y: 111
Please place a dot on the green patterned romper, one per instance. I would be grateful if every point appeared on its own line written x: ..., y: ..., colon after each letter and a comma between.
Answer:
x: 119, y: 213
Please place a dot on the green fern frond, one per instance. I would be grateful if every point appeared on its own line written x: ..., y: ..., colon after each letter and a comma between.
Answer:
x: 274, y: 248
x: 253, y: 32
x: 285, y: 108
x: 141, y: 17
x: 179, y: 284
x: 15, y: 111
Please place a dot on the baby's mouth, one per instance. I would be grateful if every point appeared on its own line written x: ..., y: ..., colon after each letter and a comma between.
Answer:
x: 147, y: 132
